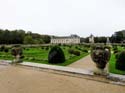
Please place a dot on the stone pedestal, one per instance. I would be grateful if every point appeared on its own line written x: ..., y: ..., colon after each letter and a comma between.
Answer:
x: 17, y: 59
x: 17, y: 53
x: 99, y: 71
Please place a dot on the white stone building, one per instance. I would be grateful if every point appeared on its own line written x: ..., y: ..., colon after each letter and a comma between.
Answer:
x: 73, y: 39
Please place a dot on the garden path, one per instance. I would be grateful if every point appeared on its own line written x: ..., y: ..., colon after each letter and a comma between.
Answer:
x: 84, y: 63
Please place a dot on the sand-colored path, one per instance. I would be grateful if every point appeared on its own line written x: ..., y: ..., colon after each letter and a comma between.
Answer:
x: 84, y: 63
x: 15, y: 79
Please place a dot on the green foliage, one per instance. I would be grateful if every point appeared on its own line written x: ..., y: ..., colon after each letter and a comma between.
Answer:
x: 28, y: 40
x: 112, y: 66
x: 56, y: 55
x: 75, y: 52
x: 6, y: 50
x: 71, y: 51
x: 19, y: 36
x: 120, y: 61
x: 47, y: 48
x: 100, y: 39
x: 85, y: 50
x: 38, y: 55
x: 118, y: 36
x: 115, y: 48
x: 2, y: 48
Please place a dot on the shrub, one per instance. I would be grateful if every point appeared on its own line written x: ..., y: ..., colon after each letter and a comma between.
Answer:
x: 42, y: 47
x: 47, y: 48
x: 6, y: 50
x: 116, y: 51
x: 87, y: 46
x: 115, y: 48
x: 120, y: 61
x: 77, y: 53
x: 85, y: 50
x: 71, y: 51
x: 76, y: 47
x: 2, y: 48
x: 56, y: 55
x: 27, y: 49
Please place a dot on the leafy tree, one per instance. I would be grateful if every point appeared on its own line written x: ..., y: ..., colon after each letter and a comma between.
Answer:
x: 28, y: 40
x: 118, y: 36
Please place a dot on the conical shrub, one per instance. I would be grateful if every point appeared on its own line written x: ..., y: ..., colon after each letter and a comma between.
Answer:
x: 120, y: 61
x: 56, y: 55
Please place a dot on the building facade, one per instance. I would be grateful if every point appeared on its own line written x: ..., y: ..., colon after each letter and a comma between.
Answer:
x: 73, y: 39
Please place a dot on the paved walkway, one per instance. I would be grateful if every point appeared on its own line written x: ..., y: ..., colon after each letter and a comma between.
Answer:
x: 84, y: 63
x: 15, y: 79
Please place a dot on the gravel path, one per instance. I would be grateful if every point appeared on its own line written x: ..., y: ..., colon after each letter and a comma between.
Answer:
x: 16, y: 79
x: 84, y: 63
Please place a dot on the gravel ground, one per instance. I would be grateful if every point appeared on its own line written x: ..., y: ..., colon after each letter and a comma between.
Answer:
x: 14, y: 79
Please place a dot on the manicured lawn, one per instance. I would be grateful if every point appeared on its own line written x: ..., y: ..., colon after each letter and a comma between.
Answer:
x: 40, y: 55
x: 112, y: 68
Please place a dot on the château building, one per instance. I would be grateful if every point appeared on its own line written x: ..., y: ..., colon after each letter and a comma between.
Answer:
x: 72, y: 39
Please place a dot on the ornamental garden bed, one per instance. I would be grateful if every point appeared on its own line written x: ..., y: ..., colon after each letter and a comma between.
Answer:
x: 112, y: 62
x: 39, y: 54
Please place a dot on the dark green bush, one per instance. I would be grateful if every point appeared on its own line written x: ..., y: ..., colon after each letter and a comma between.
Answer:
x: 116, y: 51
x: 27, y: 49
x: 2, y: 48
x: 56, y: 55
x: 42, y: 47
x: 47, y: 48
x: 120, y: 61
x: 76, y: 47
x: 85, y: 50
x: 70, y: 51
x: 75, y: 52
x: 115, y: 48
x: 6, y: 50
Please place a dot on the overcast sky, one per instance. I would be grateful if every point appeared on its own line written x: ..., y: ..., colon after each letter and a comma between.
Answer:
x: 64, y: 17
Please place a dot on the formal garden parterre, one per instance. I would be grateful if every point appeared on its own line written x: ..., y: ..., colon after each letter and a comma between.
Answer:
x: 72, y: 53
x: 39, y: 54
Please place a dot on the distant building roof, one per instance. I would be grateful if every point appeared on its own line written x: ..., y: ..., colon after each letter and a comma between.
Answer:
x: 71, y: 36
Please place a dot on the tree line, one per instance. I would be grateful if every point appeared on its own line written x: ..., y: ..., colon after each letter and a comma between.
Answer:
x: 117, y: 37
x: 22, y: 37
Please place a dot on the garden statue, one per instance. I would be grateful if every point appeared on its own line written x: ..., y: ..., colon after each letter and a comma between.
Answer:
x: 100, y: 55
x: 17, y: 53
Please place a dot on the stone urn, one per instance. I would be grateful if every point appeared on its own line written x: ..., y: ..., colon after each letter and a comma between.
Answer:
x: 100, y: 56
x: 17, y: 52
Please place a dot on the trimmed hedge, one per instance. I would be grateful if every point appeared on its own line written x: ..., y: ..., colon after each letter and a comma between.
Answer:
x: 75, y: 52
x: 56, y: 55
x: 120, y: 61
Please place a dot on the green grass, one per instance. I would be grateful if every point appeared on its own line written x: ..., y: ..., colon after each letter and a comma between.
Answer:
x: 112, y: 68
x: 73, y: 59
x: 39, y: 55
